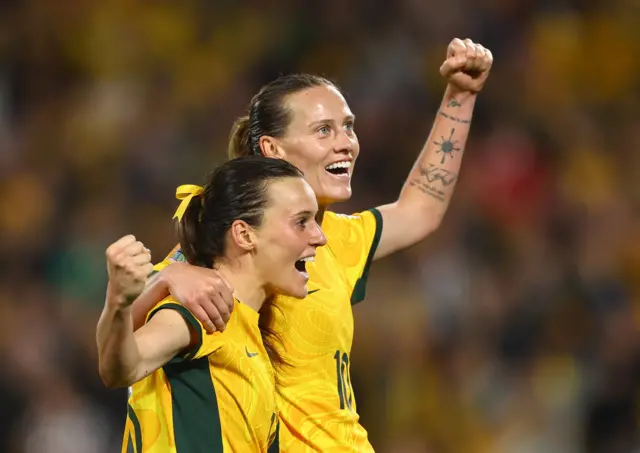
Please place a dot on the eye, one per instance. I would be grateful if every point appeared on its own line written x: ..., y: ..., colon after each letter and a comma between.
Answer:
x: 348, y: 126
x: 324, y: 130
x: 302, y: 223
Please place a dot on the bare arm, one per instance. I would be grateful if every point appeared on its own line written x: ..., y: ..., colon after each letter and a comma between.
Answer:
x: 425, y: 196
x: 156, y: 289
x: 205, y: 292
x: 126, y: 357
x: 427, y: 191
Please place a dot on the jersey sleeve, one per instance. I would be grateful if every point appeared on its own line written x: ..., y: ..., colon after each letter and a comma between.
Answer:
x: 355, y: 245
x: 206, y: 343
x: 173, y: 257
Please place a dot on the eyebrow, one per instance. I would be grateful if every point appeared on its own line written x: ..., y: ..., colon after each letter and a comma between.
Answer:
x: 304, y: 214
x: 350, y: 117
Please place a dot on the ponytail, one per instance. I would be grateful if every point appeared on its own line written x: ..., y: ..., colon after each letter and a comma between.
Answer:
x: 239, y: 138
x: 268, y: 113
x: 191, y: 235
x: 237, y: 190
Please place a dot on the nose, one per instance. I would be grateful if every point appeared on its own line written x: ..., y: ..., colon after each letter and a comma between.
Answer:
x: 317, y: 239
x: 345, y: 142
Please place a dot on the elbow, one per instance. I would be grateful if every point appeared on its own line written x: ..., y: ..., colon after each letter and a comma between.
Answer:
x: 424, y: 220
x: 426, y: 227
x: 112, y: 379
x: 432, y: 225
x: 431, y: 220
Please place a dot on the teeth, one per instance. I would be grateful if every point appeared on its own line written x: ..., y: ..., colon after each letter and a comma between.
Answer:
x: 309, y: 259
x: 344, y: 164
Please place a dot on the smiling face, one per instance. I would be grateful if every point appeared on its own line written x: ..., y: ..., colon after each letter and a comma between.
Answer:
x: 288, y: 237
x: 320, y: 141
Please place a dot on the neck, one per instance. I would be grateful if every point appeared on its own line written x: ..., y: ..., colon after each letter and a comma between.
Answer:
x: 246, y: 287
x: 320, y: 214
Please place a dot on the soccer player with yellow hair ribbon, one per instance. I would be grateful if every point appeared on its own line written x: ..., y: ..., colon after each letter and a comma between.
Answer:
x: 305, y: 120
x: 192, y: 391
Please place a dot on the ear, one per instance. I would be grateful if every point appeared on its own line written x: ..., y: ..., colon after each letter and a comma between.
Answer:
x: 243, y: 235
x: 270, y: 147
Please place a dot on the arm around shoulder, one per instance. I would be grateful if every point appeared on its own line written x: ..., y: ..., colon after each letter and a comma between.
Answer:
x: 126, y: 357
x: 205, y: 292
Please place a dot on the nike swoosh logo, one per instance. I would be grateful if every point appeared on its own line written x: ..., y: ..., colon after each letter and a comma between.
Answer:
x: 312, y: 291
x: 250, y: 354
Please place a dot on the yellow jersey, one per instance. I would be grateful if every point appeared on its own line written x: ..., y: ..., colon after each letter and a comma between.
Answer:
x: 219, y: 396
x: 315, y: 399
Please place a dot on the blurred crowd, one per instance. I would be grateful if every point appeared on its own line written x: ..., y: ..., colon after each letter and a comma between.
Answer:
x: 514, y: 329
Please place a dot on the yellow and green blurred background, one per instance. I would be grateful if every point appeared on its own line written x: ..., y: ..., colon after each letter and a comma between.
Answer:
x: 514, y: 329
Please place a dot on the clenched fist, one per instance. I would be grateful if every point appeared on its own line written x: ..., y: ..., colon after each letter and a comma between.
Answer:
x: 467, y: 65
x: 129, y: 265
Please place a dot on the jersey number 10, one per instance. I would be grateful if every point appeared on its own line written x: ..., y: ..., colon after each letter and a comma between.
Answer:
x: 345, y: 392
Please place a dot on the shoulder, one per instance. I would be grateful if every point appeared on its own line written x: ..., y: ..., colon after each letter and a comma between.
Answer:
x: 166, y: 303
x: 244, y: 315
x: 169, y: 308
x: 346, y: 225
x: 342, y: 219
x: 334, y: 222
x: 337, y: 217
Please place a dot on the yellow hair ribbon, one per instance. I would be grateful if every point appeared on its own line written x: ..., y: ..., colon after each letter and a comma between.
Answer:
x: 185, y: 193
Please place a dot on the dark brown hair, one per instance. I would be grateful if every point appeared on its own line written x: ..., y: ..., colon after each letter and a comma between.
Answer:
x: 268, y: 113
x: 236, y: 190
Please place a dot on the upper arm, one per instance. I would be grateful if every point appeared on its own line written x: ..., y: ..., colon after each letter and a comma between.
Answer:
x: 202, y: 342
x: 402, y: 228
x: 161, y: 339
x: 172, y: 332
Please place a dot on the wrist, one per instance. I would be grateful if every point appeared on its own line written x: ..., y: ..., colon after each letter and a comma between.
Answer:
x: 461, y: 96
x: 165, y: 278
x: 117, y: 301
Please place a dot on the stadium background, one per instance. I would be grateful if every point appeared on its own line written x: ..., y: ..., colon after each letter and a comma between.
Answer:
x: 513, y: 329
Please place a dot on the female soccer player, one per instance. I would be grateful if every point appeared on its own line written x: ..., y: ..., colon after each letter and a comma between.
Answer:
x: 192, y: 391
x: 305, y: 119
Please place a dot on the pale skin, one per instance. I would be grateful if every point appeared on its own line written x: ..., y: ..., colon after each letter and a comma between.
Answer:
x: 325, y: 133
x: 427, y: 191
x: 125, y: 357
x: 257, y: 261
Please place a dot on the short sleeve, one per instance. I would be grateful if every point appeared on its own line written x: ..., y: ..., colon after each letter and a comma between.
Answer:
x: 355, y: 245
x: 206, y: 343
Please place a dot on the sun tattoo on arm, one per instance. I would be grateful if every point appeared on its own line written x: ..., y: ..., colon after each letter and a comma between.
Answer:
x: 447, y: 146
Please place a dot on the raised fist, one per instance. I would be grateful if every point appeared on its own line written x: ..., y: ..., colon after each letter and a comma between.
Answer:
x: 129, y: 265
x: 467, y: 65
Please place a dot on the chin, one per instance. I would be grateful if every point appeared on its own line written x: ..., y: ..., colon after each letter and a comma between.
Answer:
x: 336, y: 195
x: 301, y: 293
x: 294, y: 286
x: 297, y: 292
